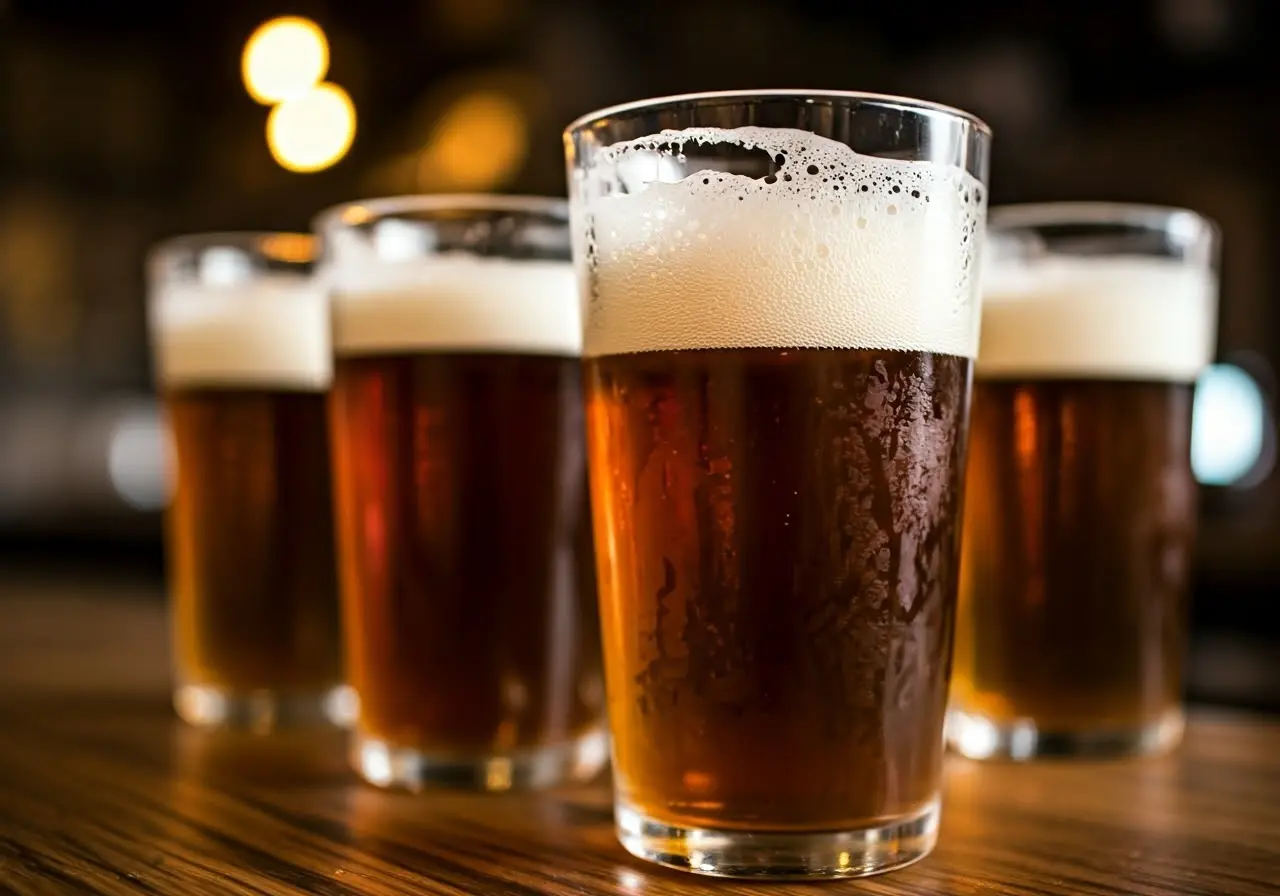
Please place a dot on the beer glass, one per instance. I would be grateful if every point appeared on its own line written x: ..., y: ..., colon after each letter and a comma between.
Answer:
x: 463, y: 518
x: 781, y: 313
x: 1080, y: 509
x: 242, y: 360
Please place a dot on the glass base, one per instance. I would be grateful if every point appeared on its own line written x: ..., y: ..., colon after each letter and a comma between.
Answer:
x: 781, y: 855
x: 978, y: 737
x: 534, y: 768
x: 263, y: 711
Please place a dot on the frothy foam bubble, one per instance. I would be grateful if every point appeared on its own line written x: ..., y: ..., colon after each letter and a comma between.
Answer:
x: 1121, y: 317
x: 458, y: 302
x: 272, y: 332
x: 836, y: 250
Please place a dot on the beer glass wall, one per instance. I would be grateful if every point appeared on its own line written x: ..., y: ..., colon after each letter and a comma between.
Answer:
x: 781, y: 317
x: 1080, y: 507
x: 242, y: 357
x: 463, y: 517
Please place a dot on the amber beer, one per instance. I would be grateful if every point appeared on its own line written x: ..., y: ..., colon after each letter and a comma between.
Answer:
x: 786, y: 552
x: 777, y: 415
x: 242, y: 365
x: 464, y: 522
x: 1080, y: 515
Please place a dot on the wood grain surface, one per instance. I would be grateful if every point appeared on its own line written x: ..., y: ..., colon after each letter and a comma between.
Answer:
x: 103, y: 791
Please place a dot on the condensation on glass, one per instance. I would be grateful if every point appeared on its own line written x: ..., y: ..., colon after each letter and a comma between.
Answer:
x: 781, y: 317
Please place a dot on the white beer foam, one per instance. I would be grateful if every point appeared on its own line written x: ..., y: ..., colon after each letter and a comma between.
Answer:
x: 457, y: 302
x: 1113, y: 317
x: 272, y: 331
x: 840, y: 250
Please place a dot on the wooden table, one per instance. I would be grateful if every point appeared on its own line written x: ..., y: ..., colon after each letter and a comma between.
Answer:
x: 102, y: 791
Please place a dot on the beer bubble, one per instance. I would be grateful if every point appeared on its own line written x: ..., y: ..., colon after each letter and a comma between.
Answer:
x: 269, y: 331
x: 894, y: 240
x: 458, y: 301
x: 1118, y: 317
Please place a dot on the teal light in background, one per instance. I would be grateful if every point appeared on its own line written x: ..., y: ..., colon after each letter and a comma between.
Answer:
x: 1229, y: 423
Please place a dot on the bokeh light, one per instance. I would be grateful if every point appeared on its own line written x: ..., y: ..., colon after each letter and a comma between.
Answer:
x: 284, y: 59
x: 313, y: 131
x: 1228, y: 434
x: 479, y: 143
x: 140, y: 459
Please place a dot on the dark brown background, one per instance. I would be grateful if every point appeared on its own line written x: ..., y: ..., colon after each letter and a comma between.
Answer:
x: 121, y: 123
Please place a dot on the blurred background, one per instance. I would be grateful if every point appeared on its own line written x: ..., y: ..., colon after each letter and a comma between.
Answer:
x: 123, y: 123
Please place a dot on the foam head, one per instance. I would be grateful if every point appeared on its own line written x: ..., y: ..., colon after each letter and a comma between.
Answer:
x: 456, y: 302
x: 1103, y: 317
x: 271, y: 331
x: 836, y: 250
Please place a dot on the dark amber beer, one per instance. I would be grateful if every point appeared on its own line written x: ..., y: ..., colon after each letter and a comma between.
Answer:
x: 778, y: 376
x: 782, y: 636
x: 243, y: 362
x: 1080, y: 516
x: 463, y: 517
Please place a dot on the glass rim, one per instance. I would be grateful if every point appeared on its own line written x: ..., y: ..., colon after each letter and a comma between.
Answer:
x: 583, y: 122
x: 238, y: 239
x: 1027, y: 215
x: 257, y: 243
x: 361, y: 211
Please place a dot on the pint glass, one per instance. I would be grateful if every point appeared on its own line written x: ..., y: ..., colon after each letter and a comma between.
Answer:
x: 781, y: 313
x: 242, y: 361
x: 1080, y: 508
x: 463, y: 517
